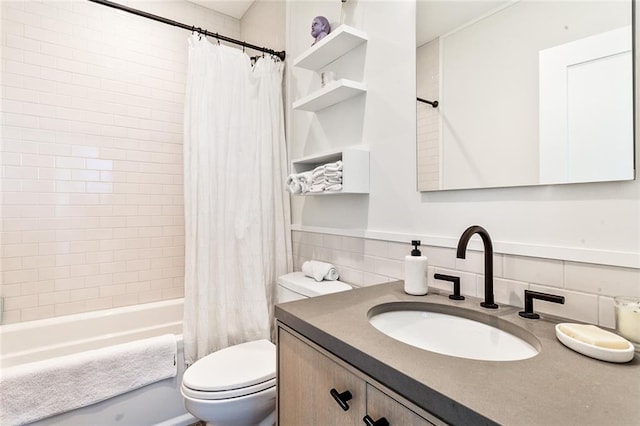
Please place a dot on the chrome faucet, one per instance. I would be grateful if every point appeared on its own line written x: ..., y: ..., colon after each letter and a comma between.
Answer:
x: 488, y: 261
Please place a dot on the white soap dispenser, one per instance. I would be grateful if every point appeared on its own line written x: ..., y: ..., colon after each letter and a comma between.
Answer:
x: 415, y: 272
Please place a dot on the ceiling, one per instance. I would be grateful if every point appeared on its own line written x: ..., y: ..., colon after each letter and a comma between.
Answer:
x: 234, y: 8
x: 437, y: 17
x: 433, y: 17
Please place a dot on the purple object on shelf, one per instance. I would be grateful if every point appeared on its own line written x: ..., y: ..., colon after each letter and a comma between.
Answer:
x: 319, y: 28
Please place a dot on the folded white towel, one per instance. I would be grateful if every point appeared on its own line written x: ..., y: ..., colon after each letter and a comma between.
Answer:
x: 333, y: 167
x: 318, y: 172
x: 320, y: 270
x: 317, y: 187
x: 41, y: 389
x: 337, y: 174
x: 333, y: 187
x: 330, y: 180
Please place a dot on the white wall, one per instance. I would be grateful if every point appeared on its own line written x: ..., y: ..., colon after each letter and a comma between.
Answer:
x: 263, y: 24
x: 597, y: 223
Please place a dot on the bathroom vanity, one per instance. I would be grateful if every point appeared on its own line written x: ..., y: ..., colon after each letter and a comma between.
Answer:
x: 310, y: 377
x: 327, y: 347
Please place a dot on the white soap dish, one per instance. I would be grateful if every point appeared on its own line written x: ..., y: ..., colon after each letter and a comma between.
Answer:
x: 593, y: 351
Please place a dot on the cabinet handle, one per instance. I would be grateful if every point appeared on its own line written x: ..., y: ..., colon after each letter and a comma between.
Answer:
x: 370, y: 422
x: 341, y: 398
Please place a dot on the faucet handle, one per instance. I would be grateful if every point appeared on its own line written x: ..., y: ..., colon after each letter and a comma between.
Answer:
x: 456, y: 285
x: 529, y: 295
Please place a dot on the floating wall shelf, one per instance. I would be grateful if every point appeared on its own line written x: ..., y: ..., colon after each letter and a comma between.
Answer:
x: 355, y: 169
x: 337, y: 43
x: 331, y: 94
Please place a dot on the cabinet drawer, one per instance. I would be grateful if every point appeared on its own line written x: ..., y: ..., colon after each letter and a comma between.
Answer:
x: 305, y: 379
x: 380, y: 405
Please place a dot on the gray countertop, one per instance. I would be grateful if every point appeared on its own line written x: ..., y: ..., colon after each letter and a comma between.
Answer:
x: 556, y: 387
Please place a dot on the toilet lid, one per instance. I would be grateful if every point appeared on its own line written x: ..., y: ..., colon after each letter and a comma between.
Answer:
x: 299, y: 283
x: 234, y: 367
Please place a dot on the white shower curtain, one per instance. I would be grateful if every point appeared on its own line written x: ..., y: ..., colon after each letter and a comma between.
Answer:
x: 237, y: 221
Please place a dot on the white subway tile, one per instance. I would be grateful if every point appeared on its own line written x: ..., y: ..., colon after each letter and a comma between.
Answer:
x: 19, y: 276
x: 508, y: 292
x: 377, y: 248
x: 20, y: 94
x: 36, y: 287
x: 40, y: 261
x: 603, y: 280
x: 12, y: 290
x: 99, y: 303
x: 12, y: 27
x: 369, y: 279
x: 39, y: 59
x: 21, y: 120
x: 578, y: 306
x: 20, y: 68
x: 534, y: 270
x: 20, y: 302
x: 69, y: 284
x: 29, y: 314
x: 69, y: 308
x: 606, y: 312
x: 22, y: 42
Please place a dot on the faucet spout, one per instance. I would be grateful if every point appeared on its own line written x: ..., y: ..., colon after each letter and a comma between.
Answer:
x: 488, y: 260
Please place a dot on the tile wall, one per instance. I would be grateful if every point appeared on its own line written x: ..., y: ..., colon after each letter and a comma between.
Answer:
x: 588, y: 288
x: 91, y: 155
x: 428, y: 118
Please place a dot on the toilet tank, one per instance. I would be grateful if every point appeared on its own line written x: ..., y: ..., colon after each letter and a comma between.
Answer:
x: 296, y: 286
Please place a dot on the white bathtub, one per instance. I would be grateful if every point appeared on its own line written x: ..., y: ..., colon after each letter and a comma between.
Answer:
x: 157, y: 404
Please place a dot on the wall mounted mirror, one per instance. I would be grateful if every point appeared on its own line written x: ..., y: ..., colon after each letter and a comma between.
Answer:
x: 530, y: 92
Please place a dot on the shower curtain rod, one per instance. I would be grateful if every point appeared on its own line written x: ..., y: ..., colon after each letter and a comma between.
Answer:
x: 199, y: 30
x: 432, y: 103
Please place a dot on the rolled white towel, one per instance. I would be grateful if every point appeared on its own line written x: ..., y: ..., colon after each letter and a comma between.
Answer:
x: 320, y: 270
x: 298, y: 183
x: 293, y: 184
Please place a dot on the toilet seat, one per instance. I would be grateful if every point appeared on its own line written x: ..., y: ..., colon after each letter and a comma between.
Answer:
x: 232, y: 372
x: 235, y: 393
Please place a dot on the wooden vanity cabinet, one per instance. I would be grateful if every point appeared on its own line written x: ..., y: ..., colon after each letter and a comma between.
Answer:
x: 379, y: 404
x: 307, y: 374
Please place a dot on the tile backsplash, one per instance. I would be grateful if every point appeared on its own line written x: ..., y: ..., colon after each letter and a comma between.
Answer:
x: 588, y: 288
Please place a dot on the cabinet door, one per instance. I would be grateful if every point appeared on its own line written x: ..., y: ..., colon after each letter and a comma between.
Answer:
x: 380, y: 405
x: 305, y: 379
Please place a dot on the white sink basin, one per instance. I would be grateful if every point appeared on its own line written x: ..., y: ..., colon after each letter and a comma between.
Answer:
x: 454, y: 331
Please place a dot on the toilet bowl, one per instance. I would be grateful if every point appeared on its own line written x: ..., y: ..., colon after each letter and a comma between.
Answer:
x: 236, y: 386
x: 233, y: 386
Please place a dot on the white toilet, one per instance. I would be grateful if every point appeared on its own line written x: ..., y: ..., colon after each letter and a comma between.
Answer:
x: 236, y: 386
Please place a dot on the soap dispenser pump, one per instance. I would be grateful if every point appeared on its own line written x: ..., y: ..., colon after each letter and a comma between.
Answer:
x: 415, y: 272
